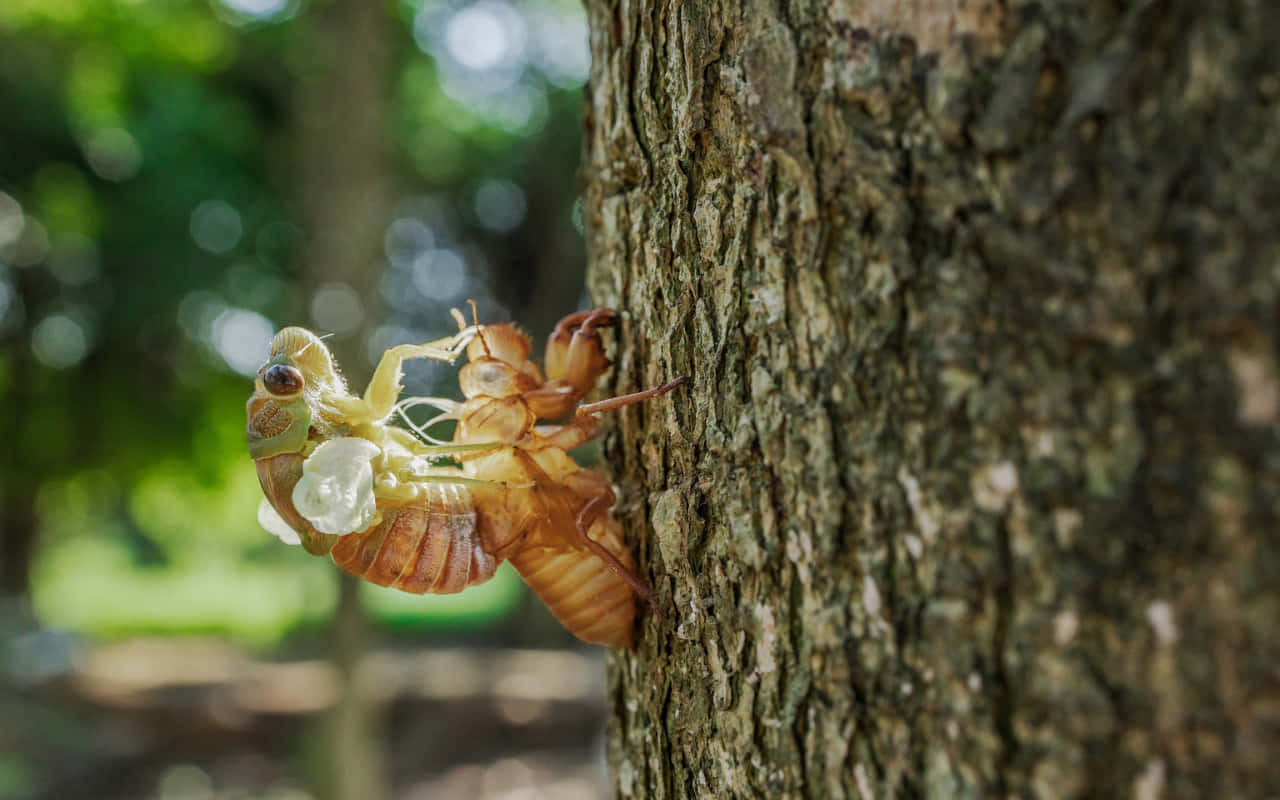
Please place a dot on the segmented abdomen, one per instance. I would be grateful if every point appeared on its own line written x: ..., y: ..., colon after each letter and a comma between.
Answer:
x: 588, y: 598
x: 430, y: 546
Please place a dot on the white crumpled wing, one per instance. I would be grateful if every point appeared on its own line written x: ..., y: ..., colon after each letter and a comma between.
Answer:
x: 335, y: 493
x: 275, y: 525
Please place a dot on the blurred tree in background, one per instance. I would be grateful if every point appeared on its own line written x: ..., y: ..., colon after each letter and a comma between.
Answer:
x: 177, y: 180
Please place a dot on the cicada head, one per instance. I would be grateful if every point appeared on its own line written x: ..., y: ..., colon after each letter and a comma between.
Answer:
x: 305, y: 352
x: 289, y: 390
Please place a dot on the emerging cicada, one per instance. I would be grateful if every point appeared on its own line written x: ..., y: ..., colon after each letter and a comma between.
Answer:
x: 341, y: 481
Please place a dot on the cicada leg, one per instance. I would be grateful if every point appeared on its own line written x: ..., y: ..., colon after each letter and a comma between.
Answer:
x: 575, y: 359
x: 574, y: 351
x: 451, y: 449
x: 411, y: 490
x: 568, y: 436
x: 384, y: 388
x: 475, y: 481
x: 586, y: 518
x: 623, y: 400
x: 586, y: 425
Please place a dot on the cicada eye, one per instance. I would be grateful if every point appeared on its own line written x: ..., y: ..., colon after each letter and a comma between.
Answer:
x: 282, y: 380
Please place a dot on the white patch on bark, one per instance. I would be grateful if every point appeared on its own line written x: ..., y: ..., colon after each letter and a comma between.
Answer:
x: 720, y: 691
x: 669, y: 525
x: 1065, y: 625
x: 870, y: 596
x: 800, y: 552
x: 1042, y: 444
x: 882, y: 279
x: 1150, y: 784
x: 1160, y: 617
x: 1066, y: 521
x: 765, y: 662
x: 684, y: 629
x: 771, y: 303
x: 864, y: 783
x: 925, y: 518
x: 1256, y: 384
x: 626, y: 778
x: 726, y: 766
x: 914, y: 546
x: 993, y: 485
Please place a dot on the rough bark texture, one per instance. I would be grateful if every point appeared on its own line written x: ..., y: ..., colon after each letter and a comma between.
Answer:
x: 975, y: 490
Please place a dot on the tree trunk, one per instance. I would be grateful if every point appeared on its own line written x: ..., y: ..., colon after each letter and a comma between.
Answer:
x: 975, y: 490
x: 345, y: 192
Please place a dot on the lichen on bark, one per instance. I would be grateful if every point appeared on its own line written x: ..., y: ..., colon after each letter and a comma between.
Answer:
x: 974, y: 491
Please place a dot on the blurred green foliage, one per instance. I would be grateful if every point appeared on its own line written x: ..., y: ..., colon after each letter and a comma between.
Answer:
x: 150, y: 239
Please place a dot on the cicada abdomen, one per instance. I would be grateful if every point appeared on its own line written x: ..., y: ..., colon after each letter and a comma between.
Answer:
x: 595, y: 603
x: 558, y: 535
x: 429, y: 547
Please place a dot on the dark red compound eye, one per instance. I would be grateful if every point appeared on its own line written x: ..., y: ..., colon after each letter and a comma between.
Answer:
x: 282, y: 379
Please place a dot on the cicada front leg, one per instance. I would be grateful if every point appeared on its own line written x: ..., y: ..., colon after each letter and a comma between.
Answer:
x: 384, y: 387
x: 585, y: 425
x: 575, y: 353
x: 623, y: 400
x: 575, y: 360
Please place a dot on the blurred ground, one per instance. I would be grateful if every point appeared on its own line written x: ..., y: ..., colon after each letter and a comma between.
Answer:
x: 199, y: 719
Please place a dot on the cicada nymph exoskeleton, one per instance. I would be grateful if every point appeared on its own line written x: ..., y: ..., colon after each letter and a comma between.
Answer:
x: 341, y: 481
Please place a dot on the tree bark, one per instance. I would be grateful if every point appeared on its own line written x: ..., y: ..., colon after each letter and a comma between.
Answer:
x: 975, y: 489
x: 345, y: 191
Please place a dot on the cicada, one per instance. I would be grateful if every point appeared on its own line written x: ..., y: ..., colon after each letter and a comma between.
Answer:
x: 343, y: 480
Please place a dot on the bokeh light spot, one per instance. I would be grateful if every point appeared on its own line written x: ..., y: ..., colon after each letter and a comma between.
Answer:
x: 406, y: 239
x: 521, y: 110
x: 397, y: 290
x: 257, y: 9
x: 563, y: 50
x: 12, y: 220
x: 216, y: 226
x: 198, y: 311
x: 482, y: 36
x: 388, y: 336
x: 32, y: 245
x: 440, y: 274
x: 242, y: 338
x: 59, y: 341
x: 253, y: 284
x: 500, y: 205
x: 113, y: 154
x: 337, y: 308
x: 74, y: 260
